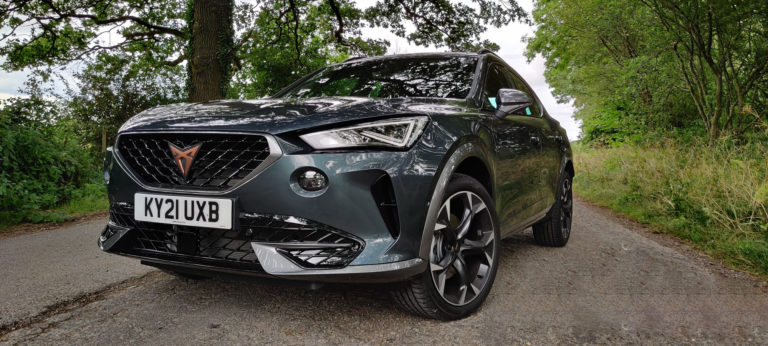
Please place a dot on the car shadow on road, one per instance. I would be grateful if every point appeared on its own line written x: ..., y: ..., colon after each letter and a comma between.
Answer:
x: 324, y: 302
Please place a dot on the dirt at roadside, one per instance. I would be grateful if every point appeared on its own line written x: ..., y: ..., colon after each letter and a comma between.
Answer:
x: 29, y: 228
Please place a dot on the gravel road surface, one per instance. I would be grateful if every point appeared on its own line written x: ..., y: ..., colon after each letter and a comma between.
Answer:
x: 612, y: 283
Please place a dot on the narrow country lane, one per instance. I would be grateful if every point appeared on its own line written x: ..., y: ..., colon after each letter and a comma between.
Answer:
x: 610, y: 284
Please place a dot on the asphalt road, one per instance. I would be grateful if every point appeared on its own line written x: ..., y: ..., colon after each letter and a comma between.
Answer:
x: 612, y: 283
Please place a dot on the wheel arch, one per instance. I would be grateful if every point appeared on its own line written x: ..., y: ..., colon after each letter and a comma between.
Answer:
x: 469, y: 153
x: 476, y: 168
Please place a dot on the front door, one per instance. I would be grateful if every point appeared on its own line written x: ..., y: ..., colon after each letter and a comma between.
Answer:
x: 550, y: 141
x: 517, y: 147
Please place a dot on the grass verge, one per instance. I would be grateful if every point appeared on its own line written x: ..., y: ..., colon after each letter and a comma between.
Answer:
x: 716, y: 197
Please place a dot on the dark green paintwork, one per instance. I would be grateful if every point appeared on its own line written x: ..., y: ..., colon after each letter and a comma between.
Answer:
x: 523, y: 173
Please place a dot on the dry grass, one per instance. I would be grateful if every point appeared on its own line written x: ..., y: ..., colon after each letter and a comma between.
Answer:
x: 714, y: 196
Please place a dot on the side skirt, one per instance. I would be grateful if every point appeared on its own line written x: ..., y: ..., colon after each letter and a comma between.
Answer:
x: 525, y: 223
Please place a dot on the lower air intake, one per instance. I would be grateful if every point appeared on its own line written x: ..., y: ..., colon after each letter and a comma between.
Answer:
x: 308, y: 244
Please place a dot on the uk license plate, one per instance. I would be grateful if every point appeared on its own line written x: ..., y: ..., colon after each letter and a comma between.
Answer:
x: 182, y: 210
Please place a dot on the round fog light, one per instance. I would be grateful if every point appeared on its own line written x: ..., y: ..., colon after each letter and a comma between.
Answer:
x: 312, y: 180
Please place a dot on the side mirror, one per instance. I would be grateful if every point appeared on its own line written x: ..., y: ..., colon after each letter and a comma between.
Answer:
x: 511, y: 100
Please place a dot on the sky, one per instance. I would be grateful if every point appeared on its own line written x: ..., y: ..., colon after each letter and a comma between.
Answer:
x: 509, y: 38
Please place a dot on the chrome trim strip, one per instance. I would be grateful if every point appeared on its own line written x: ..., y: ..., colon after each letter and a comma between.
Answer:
x: 275, y: 152
x: 276, y: 264
x: 112, y: 224
x: 307, y: 245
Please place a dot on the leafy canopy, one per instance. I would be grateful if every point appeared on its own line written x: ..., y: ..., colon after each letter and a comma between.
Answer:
x: 275, y: 39
x: 635, y: 68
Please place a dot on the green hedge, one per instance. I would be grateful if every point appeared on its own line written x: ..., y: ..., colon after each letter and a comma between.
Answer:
x: 42, y: 165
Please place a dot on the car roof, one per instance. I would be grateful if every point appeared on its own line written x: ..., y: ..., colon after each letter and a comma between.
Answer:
x: 416, y: 56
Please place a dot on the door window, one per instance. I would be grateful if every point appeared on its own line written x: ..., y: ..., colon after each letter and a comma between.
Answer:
x: 534, y: 109
x: 495, y: 79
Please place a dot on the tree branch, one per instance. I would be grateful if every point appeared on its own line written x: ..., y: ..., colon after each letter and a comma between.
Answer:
x: 411, y: 13
x: 175, y: 62
x: 124, y: 18
x: 340, y: 30
x: 296, y: 30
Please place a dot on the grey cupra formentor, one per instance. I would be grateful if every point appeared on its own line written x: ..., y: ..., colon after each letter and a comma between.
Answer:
x: 406, y: 169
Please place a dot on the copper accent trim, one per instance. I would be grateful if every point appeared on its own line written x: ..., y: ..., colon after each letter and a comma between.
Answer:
x: 184, y: 157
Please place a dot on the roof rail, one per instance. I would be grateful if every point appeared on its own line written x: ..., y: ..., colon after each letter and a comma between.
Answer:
x: 486, y: 51
x: 355, y: 58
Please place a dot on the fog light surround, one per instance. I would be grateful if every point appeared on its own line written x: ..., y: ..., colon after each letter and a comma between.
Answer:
x: 309, y: 182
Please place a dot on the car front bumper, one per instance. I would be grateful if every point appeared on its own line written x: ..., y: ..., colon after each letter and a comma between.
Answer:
x: 348, y: 207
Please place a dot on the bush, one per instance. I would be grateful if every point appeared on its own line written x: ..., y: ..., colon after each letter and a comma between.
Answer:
x: 41, y: 164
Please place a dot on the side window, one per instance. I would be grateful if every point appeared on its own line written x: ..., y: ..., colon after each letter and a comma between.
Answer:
x: 495, y: 79
x: 534, y: 109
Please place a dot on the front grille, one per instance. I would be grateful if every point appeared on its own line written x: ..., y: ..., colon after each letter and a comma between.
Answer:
x: 308, y: 244
x: 222, y: 161
x: 226, y: 248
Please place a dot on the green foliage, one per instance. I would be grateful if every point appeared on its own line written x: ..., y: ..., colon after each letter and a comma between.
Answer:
x: 112, y: 89
x: 41, y: 164
x: 43, y: 33
x: 761, y: 196
x: 722, y: 50
x: 274, y: 56
x: 625, y: 65
x: 457, y: 26
x: 714, y: 198
x: 605, y: 57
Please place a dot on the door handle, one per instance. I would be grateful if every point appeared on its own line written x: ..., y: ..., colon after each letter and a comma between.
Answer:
x: 535, y: 140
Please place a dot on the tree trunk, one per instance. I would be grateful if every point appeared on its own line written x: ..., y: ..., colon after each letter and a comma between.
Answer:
x: 210, y: 48
x: 103, y: 139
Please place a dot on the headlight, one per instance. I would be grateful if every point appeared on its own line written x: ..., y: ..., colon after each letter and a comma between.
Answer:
x: 394, y: 133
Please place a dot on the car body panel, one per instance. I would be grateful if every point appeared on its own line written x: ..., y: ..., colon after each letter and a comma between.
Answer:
x: 278, y: 116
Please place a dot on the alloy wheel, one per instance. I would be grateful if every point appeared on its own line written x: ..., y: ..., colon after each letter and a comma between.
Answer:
x: 462, y: 248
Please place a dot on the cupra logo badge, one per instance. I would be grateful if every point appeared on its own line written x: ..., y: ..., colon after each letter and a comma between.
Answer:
x: 184, y: 157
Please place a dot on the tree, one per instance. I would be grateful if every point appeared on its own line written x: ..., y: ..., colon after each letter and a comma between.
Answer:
x: 200, y: 33
x: 722, y: 51
x: 277, y: 48
x: 109, y: 91
x: 654, y: 65
x: 603, y: 55
x: 210, y: 48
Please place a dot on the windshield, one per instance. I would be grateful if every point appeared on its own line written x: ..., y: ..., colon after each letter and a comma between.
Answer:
x: 446, y: 77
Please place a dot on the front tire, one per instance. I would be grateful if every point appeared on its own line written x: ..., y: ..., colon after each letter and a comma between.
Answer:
x: 555, y: 230
x: 464, y: 255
